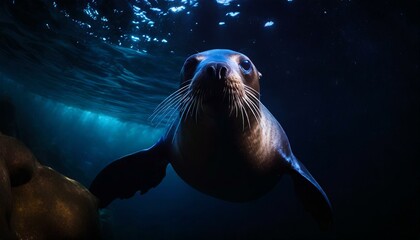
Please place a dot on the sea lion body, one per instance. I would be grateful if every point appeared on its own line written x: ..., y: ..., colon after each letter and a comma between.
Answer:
x: 223, y: 141
x: 230, y: 164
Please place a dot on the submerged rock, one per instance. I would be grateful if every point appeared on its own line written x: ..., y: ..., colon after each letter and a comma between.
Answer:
x: 36, y: 202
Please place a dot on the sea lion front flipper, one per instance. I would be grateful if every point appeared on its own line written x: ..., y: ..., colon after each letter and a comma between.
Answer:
x: 311, y: 194
x: 122, y: 178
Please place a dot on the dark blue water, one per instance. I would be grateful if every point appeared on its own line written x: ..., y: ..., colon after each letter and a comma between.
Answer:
x: 342, y: 77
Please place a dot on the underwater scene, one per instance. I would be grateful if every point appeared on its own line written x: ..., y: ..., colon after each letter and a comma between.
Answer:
x: 194, y: 99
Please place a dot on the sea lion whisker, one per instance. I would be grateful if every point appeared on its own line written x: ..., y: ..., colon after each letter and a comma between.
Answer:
x: 167, y: 105
x: 170, y: 97
x: 182, y: 113
x: 193, y: 107
x: 168, y: 102
x: 229, y: 101
x: 176, y: 130
x: 233, y: 103
x: 173, y: 120
x: 224, y: 92
x: 257, y: 100
x: 158, y: 120
x: 236, y: 107
x: 255, y: 108
x: 199, y: 107
x: 170, y: 112
x: 247, y: 102
x: 242, y: 115
x: 257, y: 111
x: 236, y: 104
x: 252, y: 90
x: 231, y: 107
x: 177, y: 107
x: 252, y: 99
x: 190, y: 104
x: 252, y: 95
x: 171, y: 109
x: 246, y: 114
x: 194, y: 102
x: 171, y: 102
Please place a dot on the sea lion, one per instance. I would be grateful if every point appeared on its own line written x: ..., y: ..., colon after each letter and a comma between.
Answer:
x: 223, y: 141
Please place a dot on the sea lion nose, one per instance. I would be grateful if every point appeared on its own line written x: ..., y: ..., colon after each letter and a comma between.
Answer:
x: 218, y: 71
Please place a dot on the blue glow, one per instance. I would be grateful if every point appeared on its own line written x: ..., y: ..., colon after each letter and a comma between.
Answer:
x: 76, y: 128
x: 91, y: 12
x: 147, y: 14
x: 232, y: 14
x: 147, y: 37
x: 224, y: 2
x: 111, y: 130
x: 269, y: 24
x: 193, y: 3
x: 136, y: 9
x: 177, y: 9
x: 135, y: 39
x: 156, y: 9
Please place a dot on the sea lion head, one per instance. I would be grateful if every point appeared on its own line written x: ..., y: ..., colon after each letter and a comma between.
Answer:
x: 220, y: 81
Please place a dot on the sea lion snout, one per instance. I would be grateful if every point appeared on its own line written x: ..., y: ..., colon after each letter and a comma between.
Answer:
x: 218, y: 71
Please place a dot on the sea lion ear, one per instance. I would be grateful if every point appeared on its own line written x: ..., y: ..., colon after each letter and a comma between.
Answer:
x: 259, y: 75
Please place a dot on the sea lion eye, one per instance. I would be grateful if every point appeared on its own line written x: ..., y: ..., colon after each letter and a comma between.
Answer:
x: 246, y: 66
